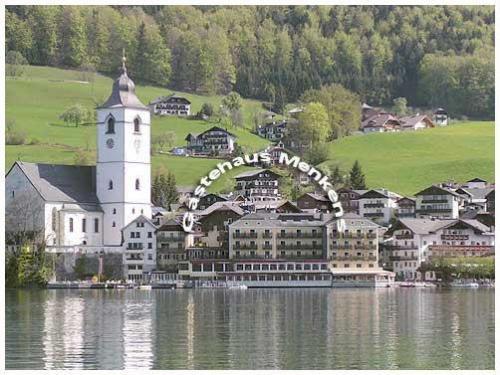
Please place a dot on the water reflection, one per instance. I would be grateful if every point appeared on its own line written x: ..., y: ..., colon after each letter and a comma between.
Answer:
x: 252, y: 329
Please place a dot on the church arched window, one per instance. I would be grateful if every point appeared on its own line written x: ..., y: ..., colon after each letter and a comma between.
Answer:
x: 137, y: 125
x: 137, y: 184
x: 110, y: 185
x: 111, y: 126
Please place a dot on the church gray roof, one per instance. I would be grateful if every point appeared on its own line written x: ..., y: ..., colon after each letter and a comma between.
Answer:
x: 62, y: 183
x: 123, y: 93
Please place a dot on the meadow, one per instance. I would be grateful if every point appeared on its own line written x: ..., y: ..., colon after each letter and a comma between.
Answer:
x: 409, y: 161
x: 403, y: 162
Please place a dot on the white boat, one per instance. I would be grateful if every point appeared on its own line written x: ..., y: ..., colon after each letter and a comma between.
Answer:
x: 236, y: 286
x: 146, y: 287
x: 470, y: 285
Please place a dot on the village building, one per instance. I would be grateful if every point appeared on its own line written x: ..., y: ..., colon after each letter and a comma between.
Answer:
x: 214, y: 141
x: 438, y: 202
x: 139, y: 242
x: 378, y: 205
x: 476, y: 183
x: 172, y: 242
x: 406, y: 207
x: 273, y: 131
x: 381, y: 122
x: 172, y: 105
x: 440, y: 117
x: 280, y: 206
x: 209, y: 199
x: 416, y: 122
x: 314, y: 202
x: 490, y: 202
x: 258, y: 185
x: 349, y: 198
x: 474, y: 198
x: 413, y: 241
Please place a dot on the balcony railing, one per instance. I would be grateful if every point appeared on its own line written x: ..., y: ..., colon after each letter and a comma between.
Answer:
x: 402, y: 257
x: 244, y: 235
x: 404, y: 236
x: 138, y: 246
x: 430, y: 209
x: 371, y: 258
x: 171, y: 239
x: 454, y: 237
x: 267, y: 235
x: 300, y: 235
x: 373, y: 214
x: 300, y: 247
x: 373, y: 205
x: 244, y: 247
x: 434, y: 201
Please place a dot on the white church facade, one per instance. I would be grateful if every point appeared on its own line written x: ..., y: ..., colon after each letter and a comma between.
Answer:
x: 84, y: 209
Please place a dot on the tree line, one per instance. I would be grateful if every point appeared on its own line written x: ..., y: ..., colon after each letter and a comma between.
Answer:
x: 431, y: 55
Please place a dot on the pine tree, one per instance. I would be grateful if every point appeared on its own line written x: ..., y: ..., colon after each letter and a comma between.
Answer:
x: 356, y: 177
x: 337, y: 178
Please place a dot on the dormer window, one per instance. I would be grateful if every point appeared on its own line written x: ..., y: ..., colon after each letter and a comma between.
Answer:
x: 137, y: 125
x: 111, y: 126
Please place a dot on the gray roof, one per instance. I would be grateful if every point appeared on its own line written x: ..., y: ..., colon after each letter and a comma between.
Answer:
x: 254, y: 172
x: 479, y: 193
x: 221, y: 206
x: 353, y: 220
x: 425, y: 226
x: 123, y: 93
x: 62, y: 183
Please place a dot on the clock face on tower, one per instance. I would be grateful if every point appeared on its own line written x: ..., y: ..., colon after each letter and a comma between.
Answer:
x: 137, y: 145
x: 110, y: 143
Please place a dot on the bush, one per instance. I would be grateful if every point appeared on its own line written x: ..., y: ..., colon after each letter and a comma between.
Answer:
x: 34, y: 141
x: 81, y: 158
x: 207, y: 109
x: 15, y: 64
x: 317, y: 154
x: 15, y: 138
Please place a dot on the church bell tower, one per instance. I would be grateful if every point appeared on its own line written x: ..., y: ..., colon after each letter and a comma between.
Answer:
x: 123, y: 170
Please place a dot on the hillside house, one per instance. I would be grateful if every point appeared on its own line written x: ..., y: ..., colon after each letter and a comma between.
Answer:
x: 349, y: 198
x: 416, y: 122
x: 378, y: 205
x: 273, y: 131
x: 214, y: 141
x: 440, y: 117
x: 171, y: 105
x: 314, y: 202
x: 258, y: 185
x: 406, y: 207
x: 381, y: 122
x: 439, y: 202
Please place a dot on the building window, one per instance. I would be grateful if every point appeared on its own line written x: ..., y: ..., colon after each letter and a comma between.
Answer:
x: 71, y: 224
x: 150, y: 234
x: 96, y: 225
x: 137, y: 124
x: 150, y: 245
x: 114, y: 211
x: 84, y: 225
x: 54, y: 219
x: 110, y: 185
x: 111, y: 126
x: 137, y: 184
x: 114, y: 224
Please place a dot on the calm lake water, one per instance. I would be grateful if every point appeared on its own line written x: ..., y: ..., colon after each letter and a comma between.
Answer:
x: 250, y: 329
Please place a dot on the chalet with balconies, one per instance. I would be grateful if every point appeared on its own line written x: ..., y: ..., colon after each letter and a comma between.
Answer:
x: 258, y: 185
x: 476, y: 183
x: 214, y: 141
x: 413, y: 241
x: 406, y: 207
x: 171, y: 243
x: 438, y: 202
x: 172, y: 105
x: 273, y: 131
x: 349, y: 198
x: 314, y: 203
x: 378, y: 205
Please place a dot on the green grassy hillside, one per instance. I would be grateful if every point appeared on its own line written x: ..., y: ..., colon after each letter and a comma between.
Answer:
x: 36, y: 100
x: 403, y: 162
x: 407, y: 162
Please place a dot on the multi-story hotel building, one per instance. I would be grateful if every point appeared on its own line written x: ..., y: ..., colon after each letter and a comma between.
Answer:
x: 437, y: 202
x: 378, y: 205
